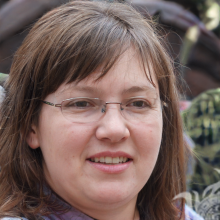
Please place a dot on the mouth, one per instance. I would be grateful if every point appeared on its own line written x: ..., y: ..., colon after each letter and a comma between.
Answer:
x: 109, y: 160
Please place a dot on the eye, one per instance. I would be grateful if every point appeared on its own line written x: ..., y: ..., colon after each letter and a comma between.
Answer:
x: 139, y: 104
x: 80, y: 104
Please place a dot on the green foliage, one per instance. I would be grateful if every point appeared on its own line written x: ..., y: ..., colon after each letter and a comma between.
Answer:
x: 202, y: 124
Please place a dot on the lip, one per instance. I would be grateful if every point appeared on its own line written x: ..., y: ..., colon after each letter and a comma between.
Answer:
x: 111, y: 169
x: 110, y: 154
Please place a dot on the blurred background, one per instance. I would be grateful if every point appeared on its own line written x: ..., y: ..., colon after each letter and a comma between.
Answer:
x: 191, y: 29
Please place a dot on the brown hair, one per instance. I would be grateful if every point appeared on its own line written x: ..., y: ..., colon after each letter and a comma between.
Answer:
x: 68, y: 44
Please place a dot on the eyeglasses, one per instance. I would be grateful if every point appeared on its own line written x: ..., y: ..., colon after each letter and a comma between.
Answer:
x: 86, y: 110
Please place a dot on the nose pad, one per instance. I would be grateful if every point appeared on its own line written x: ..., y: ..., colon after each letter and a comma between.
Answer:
x: 103, y: 110
x: 112, y: 127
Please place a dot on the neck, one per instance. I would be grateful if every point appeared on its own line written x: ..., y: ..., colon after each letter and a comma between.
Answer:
x: 103, y: 212
x: 117, y: 215
x: 136, y: 215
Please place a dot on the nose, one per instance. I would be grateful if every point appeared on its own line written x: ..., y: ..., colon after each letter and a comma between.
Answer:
x: 112, y: 126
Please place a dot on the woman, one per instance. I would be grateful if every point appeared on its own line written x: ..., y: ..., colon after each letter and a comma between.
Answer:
x: 90, y: 122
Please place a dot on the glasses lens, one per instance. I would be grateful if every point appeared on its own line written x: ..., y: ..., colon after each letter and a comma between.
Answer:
x: 82, y: 110
x: 137, y: 109
x: 86, y: 110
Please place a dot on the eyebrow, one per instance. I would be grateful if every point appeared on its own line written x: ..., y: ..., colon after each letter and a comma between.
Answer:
x: 85, y: 89
x: 135, y: 89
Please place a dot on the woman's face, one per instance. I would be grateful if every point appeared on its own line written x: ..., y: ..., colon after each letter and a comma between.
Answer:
x: 69, y: 148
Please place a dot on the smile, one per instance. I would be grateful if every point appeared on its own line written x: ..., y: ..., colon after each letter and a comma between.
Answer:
x: 109, y: 160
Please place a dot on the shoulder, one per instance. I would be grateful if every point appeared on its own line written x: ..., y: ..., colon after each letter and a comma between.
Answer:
x: 191, y: 214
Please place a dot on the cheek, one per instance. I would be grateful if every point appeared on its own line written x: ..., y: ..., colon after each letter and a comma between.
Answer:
x: 64, y: 149
x: 149, y: 133
x: 147, y: 141
x: 63, y: 141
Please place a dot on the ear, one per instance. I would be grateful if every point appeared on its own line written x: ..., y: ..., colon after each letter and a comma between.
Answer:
x: 33, y: 137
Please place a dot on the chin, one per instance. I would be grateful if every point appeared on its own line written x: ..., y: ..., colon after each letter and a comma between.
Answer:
x: 114, y: 193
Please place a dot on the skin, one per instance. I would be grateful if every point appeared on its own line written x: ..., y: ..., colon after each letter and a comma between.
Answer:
x: 66, y: 145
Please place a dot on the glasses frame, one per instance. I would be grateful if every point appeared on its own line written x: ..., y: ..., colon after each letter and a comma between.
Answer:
x: 60, y: 105
x: 103, y: 110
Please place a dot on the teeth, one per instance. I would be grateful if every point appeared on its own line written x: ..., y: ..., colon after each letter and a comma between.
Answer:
x: 124, y: 159
x: 109, y: 160
x: 115, y: 160
x: 121, y: 159
x: 102, y: 159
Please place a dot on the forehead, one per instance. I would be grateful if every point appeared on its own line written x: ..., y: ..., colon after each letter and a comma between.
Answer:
x: 128, y: 74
